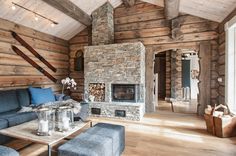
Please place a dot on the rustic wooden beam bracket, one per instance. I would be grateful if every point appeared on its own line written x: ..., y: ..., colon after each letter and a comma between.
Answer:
x: 34, y: 64
x: 36, y: 54
x: 176, y: 32
x: 129, y: 3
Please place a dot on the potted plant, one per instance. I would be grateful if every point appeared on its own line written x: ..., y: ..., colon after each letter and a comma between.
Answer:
x: 67, y: 83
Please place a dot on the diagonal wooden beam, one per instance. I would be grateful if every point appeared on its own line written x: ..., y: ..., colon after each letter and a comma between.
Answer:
x: 129, y: 3
x: 171, y: 8
x: 34, y: 64
x: 35, y: 53
x: 70, y: 9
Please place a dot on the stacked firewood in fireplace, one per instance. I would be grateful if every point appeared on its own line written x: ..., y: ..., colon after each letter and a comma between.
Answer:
x: 98, y: 91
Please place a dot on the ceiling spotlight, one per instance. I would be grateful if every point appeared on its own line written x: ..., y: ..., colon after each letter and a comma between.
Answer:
x: 52, y: 25
x: 13, y: 7
x: 36, y: 18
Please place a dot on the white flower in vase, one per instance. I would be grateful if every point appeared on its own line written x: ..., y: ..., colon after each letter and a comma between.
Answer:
x: 68, y: 83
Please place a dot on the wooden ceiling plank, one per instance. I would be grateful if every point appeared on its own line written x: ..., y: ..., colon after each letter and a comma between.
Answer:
x: 70, y: 9
x: 129, y: 3
x: 171, y: 8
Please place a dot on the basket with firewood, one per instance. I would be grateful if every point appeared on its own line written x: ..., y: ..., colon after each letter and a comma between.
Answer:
x: 220, y: 121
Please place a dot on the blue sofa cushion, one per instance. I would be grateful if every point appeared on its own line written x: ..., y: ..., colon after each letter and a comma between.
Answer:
x: 9, y: 113
x: 6, y: 151
x: 14, y: 119
x: 3, y: 123
x: 8, y: 101
x: 23, y: 97
x: 40, y: 96
x: 86, y: 144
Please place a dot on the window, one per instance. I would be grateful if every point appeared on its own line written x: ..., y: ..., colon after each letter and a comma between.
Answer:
x: 230, y: 66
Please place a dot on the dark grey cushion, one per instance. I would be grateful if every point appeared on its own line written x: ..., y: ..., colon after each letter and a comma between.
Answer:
x: 6, y: 151
x: 3, y: 123
x: 18, y: 118
x: 87, y: 145
x: 112, y: 131
x: 23, y: 97
x: 8, y: 101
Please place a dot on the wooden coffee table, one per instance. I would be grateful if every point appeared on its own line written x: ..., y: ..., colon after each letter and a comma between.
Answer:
x: 27, y: 131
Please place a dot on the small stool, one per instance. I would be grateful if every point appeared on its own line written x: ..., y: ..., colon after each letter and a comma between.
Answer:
x: 101, y: 140
x: 87, y: 144
x: 116, y: 132
x: 6, y: 151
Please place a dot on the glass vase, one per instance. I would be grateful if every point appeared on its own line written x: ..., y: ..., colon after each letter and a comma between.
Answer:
x: 46, y: 124
x: 65, y: 119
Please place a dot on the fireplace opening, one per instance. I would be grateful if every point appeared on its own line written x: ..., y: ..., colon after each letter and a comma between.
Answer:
x: 124, y: 92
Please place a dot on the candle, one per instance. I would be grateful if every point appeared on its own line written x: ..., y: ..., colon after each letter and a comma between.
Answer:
x: 43, y: 126
x: 66, y: 123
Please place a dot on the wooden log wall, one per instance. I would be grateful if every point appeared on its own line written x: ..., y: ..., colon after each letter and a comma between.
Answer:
x: 146, y: 23
x: 221, y: 60
x: 77, y: 43
x: 15, y: 72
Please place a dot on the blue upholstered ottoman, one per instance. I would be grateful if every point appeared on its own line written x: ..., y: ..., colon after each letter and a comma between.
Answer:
x: 6, y: 151
x: 116, y: 132
x: 101, y: 140
x: 86, y: 144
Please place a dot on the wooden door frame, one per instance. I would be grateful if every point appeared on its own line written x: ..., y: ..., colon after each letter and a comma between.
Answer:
x: 201, y: 48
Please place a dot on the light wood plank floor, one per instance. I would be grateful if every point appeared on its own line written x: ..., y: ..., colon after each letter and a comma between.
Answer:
x: 179, y: 107
x: 159, y: 134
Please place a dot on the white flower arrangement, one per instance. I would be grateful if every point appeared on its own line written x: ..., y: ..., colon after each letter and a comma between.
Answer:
x: 68, y: 83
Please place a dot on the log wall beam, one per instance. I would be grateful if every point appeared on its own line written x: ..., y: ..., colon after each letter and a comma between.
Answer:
x: 171, y: 8
x: 70, y: 9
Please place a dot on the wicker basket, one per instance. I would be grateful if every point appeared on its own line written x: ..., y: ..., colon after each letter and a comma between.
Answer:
x: 210, y: 124
x: 223, y: 127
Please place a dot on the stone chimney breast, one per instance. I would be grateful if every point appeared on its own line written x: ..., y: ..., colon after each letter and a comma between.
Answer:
x: 103, y: 25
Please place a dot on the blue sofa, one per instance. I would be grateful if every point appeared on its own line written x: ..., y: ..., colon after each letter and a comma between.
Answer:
x: 11, y: 101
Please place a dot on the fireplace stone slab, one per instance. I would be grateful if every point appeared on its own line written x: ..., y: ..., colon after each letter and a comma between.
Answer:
x: 133, y: 111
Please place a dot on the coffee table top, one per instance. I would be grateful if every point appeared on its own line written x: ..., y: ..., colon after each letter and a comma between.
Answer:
x: 28, y: 130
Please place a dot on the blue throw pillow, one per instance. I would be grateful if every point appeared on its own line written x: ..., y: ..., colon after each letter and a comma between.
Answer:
x: 40, y: 96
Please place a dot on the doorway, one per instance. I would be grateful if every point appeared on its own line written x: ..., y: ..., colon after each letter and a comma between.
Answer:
x: 177, y: 75
x: 160, y: 69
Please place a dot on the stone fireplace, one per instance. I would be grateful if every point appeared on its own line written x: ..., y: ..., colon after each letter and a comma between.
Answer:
x: 114, y: 73
x: 121, y: 68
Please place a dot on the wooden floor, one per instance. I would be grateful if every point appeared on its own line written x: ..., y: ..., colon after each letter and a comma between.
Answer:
x: 178, y: 107
x: 162, y: 133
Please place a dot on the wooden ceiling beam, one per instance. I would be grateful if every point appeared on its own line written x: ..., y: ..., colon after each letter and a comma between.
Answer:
x: 171, y: 9
x: 70, y: 9
x: 129, y: 3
